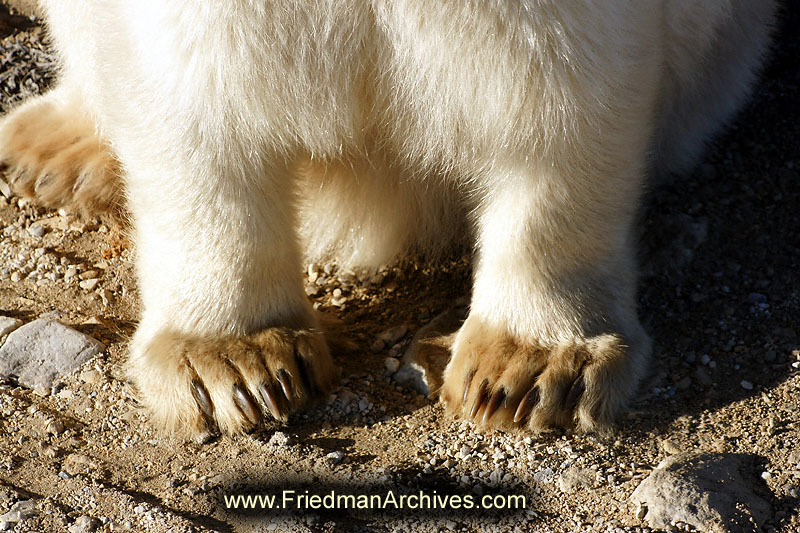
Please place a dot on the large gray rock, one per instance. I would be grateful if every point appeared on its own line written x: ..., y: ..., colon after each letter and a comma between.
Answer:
x: 711, y: 492
x: 40, y: 351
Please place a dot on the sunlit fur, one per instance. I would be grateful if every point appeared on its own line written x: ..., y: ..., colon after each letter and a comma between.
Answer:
x: 255, y: 135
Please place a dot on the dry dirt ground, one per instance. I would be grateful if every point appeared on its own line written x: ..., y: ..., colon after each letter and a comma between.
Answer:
x: 721, y: 255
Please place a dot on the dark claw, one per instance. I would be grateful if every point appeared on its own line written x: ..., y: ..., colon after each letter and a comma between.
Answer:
x: 575, y: 392
x: 482, y: 393
x: 78, y: 183
x: 307, y: 376
x: 245, y: 403
x: 285, y: 382
x: 269, y: 397
x: 42, y: 181
x: 467, y: 383
x: 494, y: 404
x: 203, y: 400
x: 527, y: 404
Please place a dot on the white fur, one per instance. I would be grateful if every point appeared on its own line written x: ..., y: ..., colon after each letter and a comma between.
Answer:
x: 527, y: 125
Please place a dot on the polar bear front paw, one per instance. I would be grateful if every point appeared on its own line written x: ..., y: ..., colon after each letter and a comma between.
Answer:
x: 193, y: 385
x: 50, y: 152
x: 498, y: 381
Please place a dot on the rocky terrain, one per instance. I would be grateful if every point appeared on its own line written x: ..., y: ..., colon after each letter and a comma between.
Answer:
x: 712, y: 443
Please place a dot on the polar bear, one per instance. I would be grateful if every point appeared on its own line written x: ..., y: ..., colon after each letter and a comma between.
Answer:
x: 249, y: 135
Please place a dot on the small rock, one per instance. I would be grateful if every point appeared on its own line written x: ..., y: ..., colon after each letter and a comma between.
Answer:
x: 710, y: 492
x: 545, y: 475
x: 22, y: 510
x: 44, y: 349
x: 91, y: 376
x: 279, y: 439
x: 746, y: 385
x: 392, y: 335
x: 334, y: 458
x: 54, y: 426
x: 78, y: 463
x: 701, y: 376
x: 377, y: 346
x: 36, y: 231
x: 346, y: 397
x: 756, y: 298
x: 391, y: 365
x: 88, y: 274
x: 670, y: 447
x: 84, y: 524
x: 312, y: 290
x: 641, y: 511
x: 89, y: 284
x: 105, y: 297
x: 574, y: 479
x: 8, y: 324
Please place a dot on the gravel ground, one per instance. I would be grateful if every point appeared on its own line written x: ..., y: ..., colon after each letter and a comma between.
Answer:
x: 720, y: 256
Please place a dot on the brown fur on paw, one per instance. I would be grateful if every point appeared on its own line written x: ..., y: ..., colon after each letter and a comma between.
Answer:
x: 52, y: 154
x: 192, y: 385
x: 500, y: 382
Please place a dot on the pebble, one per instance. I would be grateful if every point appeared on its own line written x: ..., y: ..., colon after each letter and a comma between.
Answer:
x: 8, y: 324
x: 574, y: 479
x: 746, y: 385
x: 22, y: 510
x: 312, y: 290
x: 701, y: 376
x: 84, y: 524
x: 756, y: 298
x: 346, y: 397
x: 54, y: 426
x: 279, y: 439
x: 334, y: 458
x: 105, y: 297
x: 377, y: 346
x: 392, y: 335
x: 545, y: 475
x: 89, y: 274
x: 391, y: 365
x: 36, y: 231
x: 90, y: 376
x: 40, y: 351
x: 670, y: 447
x: 89, y: 284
